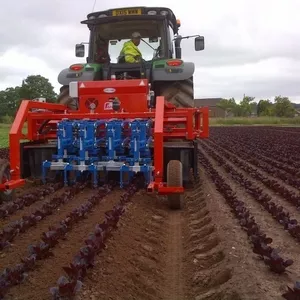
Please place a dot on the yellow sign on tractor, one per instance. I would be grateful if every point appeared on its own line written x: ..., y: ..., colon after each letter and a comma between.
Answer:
x: 126, y: 12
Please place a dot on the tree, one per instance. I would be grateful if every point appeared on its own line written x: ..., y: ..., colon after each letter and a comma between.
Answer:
x: 253, y: 106
x: 33, y: 86
x: 264, y: 108
x: 283, y: 107
x: 228, y: 105
x: 9, y: 101
x: 37, y: 86
x: 246, y: 107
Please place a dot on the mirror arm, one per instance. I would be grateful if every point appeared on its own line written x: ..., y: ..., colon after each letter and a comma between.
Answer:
x: 187, y: 37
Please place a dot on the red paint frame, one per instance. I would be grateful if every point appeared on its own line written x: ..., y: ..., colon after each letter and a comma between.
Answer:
x: 165, y: 115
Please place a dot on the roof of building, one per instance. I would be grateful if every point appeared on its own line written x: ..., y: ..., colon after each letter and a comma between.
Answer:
x: 207, y: 101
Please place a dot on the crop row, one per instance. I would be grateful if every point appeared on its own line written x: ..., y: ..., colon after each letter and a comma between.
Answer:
x: 69, y: 285
x: 285, y: 129
x: 15, y: 228
x: 257, y: 193
x: 262, y: 142
x: 10, y: 208
x: 289, y: 195
x: 259, y: 241
x: 292, y: 293
x: 42, y: 250
x: 281, y: 139
x: 280, y: 159
x: 4, y: 153
x: 289, y: 174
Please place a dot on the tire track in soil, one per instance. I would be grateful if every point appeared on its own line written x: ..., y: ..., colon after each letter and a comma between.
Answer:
x: 19, y: 247
x: 134, y: 263
x: 286, y: 245
x: 173, y: 281
x: 231, y: 258
x: 206, y: 268
x: 39, y: 281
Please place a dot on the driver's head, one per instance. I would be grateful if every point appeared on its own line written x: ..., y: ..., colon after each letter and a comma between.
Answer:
x: 136, y: 38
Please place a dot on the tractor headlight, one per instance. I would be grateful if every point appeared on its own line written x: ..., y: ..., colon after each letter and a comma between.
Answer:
x: 152, y: 12
x: 163, y: 12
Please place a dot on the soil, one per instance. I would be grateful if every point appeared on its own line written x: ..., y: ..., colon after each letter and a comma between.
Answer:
x: 197, y: 253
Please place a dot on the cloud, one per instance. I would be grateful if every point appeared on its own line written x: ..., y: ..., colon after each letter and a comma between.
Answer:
x: 16, y: 66
x: 251, y: 46
x: 252, y: 79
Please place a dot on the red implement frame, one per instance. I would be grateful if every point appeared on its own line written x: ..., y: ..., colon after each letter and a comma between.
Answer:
x: 165, y: 116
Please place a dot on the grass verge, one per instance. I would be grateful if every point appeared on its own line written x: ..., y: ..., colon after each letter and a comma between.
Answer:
x: 255, y: 121
x: 4, y: 132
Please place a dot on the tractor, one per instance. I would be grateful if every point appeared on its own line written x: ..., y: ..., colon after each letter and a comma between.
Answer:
x: 162, y: 65
x: 114, y: 118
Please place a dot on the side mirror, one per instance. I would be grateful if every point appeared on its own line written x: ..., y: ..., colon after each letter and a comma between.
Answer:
x: 199, y: 43
x: 79, y: 50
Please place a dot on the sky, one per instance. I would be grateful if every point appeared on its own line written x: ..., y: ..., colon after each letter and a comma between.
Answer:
x: 252, y: 47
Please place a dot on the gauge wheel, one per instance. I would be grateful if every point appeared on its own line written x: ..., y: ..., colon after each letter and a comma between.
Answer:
x: 7, y: 195
x: 174, y: 178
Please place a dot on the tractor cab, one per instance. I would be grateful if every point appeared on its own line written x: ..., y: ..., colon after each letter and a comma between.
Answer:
x: 110, y: 29
x: 160, y: 48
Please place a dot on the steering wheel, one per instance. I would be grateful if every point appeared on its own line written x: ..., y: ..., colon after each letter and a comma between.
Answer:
x: 157, y: 52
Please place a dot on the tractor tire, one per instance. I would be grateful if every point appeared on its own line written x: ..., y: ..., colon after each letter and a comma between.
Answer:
x: 174, y: 178
x: 180, y: 93
x: 64, y: 98
x: 8, y: 195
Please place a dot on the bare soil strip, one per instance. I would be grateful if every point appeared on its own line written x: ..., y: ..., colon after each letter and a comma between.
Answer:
x: 174, y: 274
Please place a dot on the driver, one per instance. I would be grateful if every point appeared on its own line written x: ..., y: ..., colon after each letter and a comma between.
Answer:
x: 102, y: 56
x: 130, y: 52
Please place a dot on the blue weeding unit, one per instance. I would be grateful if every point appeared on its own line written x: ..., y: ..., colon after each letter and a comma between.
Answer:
x: 92, y: 146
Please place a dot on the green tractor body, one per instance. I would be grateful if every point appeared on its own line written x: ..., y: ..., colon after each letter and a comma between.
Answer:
x: 162, y: 65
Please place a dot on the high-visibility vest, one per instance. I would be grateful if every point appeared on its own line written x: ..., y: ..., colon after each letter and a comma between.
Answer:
x: 131, y: 52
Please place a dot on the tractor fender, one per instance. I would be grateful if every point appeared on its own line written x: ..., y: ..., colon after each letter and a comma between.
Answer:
x: 66, y: 76
x: 183, y: 72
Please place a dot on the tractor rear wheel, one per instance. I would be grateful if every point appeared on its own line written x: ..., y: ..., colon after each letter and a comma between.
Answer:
x: 174, y: 178
x: 64, y: 98
x: 180, y: 93
x: 8, y: 195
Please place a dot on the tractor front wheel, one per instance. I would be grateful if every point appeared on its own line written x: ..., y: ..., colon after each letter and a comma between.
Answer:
x: 7, y: 195
x: 64, y: 98
x: 174, y: 178
x: 179, y: 93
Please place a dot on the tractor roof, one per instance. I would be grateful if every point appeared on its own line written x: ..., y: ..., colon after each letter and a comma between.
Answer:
x: 130, y: 13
